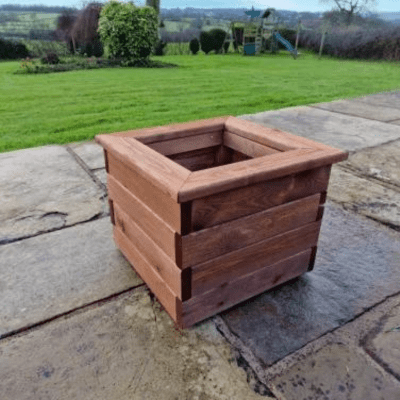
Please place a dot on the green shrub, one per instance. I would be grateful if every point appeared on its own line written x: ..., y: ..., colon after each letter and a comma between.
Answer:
x: 159, y: 48
x: 218, y: 38
x: 12, y: 50
x: 50, y: 58
x: 129, y: 32
x: 194, y: 46
x: 226, y: 46
x: 206, y: 42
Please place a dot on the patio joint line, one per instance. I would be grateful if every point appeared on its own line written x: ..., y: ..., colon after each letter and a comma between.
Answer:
x: 380, y: 105
x: 39, y: 324
x: 86, y: 168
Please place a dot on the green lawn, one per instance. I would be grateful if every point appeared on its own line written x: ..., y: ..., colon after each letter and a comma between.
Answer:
x: 73, y: 106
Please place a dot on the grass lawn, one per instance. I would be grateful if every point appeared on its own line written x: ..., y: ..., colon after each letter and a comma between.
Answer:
x: 73, y: 106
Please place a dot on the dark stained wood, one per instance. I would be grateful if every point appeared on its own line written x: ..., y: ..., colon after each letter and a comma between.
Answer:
x: 154, y: 226
x: 223, y: 156
x: 196, y: 160
x: 313, y: 258
x: 231, y: 266
x: 230, y: 293
x: 233, y: 176
x: 209, y: 243
x: 156, y: 258
x: 182, y: 145
x: 112, y: 215
x: 160, y: 203
x: 246, y: 146
x: 105, y: 160
x: 229, y: 205
x: 148, y: 274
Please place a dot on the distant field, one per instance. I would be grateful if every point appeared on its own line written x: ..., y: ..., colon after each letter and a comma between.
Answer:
x: 74, y: 106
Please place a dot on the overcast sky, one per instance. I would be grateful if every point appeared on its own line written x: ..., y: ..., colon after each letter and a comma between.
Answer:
x: 293, y: 5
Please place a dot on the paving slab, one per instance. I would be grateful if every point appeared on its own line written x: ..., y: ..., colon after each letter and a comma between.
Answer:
x: 124, y: 349
x: 342, y: 131
x: 43, y: 189
x: 383, y: 342
x: 361, y: 109
x: 101, y: 174
x: 91, y: 153
x: 365, y: 197
x: 337, y: 372
x: 357, y: 266
x: 389, y: 99
x: 54, y: 273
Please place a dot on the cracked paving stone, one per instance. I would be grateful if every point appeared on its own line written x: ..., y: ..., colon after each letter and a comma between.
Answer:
x: 43, y: 189
x: 336, y: 372
x: 127, y: 348
x: 101, y: 174
x: 57, y: 272
x: 90, y: 152
x: 383, y: 343
x: 381, y: 162
x: 365, y: 197
x: 357, y: 266
x: 342, y: 131
x: 360, y: 109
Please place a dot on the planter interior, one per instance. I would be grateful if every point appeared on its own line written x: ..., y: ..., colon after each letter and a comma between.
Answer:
x: 213, y: 212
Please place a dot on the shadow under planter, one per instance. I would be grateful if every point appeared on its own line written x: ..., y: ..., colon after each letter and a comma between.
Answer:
x: 213, y: 212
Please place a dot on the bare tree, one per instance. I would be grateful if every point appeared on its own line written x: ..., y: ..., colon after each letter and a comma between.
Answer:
x: 349, y: 8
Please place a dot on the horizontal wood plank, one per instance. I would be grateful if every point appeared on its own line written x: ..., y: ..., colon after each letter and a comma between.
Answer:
x: 162, y: 172
x: 235, y: 291
x: 197, y: 159
x: 227, y: 177
x: 219, y: 208
x: 159, y: 261
x: 174, y: 131
x: 153, y: 280
x: 209, y: 243
x: 221, y: 270
x: 246, y: 146
x: 155, y: 227
x: 159, y: 202
x: 182, y: 145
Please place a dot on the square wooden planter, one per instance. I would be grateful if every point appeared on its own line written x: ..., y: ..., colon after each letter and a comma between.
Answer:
x: 213, y: 212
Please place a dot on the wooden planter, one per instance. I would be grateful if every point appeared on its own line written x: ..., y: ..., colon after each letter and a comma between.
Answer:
x: 213, y: 212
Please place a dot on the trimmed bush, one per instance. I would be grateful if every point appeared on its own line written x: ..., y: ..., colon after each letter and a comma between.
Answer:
x: 12, y: 50
x: 212, y: 40
x: 159, y: 48
x: 50, y: 58
x: 206, y: 42
x: 194, y: 46
x: 129, y: 32
x: 226, y: 47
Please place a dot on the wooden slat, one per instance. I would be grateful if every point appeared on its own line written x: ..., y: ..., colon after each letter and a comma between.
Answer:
x: 269, y: 137
x: 157, y: 285
x: 209, y: 243
x: 182, y: 145
x: 236, y: 291
x: 223, y: 156
x: 227, y: 177
x: 162, y: 172
x: 160, y: 203
x: 167, y: 132
x: 246, y: 146
x: 154, y: 226
x: 159, y: 261
x: 197, y: 159
x: 221, y: 270
x: 213, y: 210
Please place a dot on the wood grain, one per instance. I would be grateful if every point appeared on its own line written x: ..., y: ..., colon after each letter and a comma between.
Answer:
x: 228, y: 177
x: 246, y: 146
x: 221, y: 270
x: 149, y: 275
x: 156, y: 258
x: 209, y: 243
x: 155, y: 227
x: 182, y: 145
x: 174, y: 131
x: 162, y: 172
x: 233, y: 292
x: 197, y: 159
x: 223, y: 207
x: 160, y: 203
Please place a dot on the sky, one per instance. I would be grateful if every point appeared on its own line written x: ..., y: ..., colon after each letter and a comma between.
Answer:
x: 292, y: 5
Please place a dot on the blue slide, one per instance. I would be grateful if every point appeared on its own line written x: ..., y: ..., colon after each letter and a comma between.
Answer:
x: 282, y: 40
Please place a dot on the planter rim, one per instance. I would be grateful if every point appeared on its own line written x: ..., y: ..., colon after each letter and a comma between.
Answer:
x: 296, y: 154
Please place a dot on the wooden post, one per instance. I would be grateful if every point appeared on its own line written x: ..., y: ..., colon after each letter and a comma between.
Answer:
x: 297, y: 35
x: 322, y: 43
